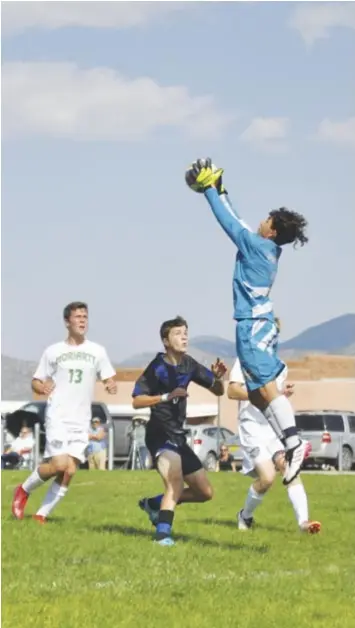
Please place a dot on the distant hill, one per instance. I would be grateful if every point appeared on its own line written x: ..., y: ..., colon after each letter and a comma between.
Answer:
x: 336, y: 336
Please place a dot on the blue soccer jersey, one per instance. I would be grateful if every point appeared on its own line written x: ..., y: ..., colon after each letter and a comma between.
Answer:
x: 256, y: 261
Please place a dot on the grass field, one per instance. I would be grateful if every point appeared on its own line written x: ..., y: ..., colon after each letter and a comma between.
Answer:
x: 95, y: 564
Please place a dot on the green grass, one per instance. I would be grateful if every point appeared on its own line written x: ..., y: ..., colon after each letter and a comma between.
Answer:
x: 95, y: 564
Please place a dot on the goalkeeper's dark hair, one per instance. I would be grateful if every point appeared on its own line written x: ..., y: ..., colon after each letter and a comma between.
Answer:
x: 167, y: 326
x: 289, y: 226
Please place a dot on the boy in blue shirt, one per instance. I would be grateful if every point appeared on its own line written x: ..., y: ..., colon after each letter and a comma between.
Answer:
x: 254, y: 274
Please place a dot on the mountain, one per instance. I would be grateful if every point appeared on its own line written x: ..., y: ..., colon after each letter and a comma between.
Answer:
x: 336, y: 336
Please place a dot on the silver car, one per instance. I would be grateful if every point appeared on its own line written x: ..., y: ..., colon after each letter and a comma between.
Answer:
x: 204, y: 441
x: 332, y: 436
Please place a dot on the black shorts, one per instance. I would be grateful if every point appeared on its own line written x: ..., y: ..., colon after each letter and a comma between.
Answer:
x: 190, y: 463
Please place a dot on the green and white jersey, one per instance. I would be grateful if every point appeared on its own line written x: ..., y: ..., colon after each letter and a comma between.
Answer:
x: 74, y: 370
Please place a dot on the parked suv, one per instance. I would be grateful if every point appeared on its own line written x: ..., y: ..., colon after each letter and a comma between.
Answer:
x: 203, y: 439
x: 329, y: 431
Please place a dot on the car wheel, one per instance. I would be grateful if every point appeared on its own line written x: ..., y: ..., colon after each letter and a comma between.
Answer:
x: 210, y: 463
x: 347, y: 459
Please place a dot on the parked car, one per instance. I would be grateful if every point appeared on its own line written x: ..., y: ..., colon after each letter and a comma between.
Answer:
x: 204, y: 441
x: 330, y: 433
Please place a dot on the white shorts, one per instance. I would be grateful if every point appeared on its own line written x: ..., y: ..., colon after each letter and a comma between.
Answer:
x: 61, y: 441
x: 259, y: 443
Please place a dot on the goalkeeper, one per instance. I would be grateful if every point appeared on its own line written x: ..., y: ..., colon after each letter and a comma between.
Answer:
x: 256, y: 332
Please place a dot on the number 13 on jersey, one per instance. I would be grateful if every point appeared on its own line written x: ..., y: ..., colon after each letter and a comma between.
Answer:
x: 75, y: 376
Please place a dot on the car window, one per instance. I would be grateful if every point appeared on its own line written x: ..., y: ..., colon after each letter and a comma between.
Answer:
x: 334, y: 423
x: 351, y: 420
x: 310, y: 422
x: 227, y: 433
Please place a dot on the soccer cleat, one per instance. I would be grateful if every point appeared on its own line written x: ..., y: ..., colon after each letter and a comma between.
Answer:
x: 19, y: 502
x: 311, y: 527
x: 40, y: 518
x: 244, y: 523
x: 168, y: 541
x: 294, y: 460
x: 152, y: 514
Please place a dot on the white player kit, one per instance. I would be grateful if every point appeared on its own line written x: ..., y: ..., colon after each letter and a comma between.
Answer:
x: 74, y: 370
x: 258, y: 439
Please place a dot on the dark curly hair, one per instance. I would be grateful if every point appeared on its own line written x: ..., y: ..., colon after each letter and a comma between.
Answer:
x: 289, y: 226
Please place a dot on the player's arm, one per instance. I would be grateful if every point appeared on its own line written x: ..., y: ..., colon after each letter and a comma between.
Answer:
x: 231, y: 223
x: 209, y: 378
x: 236, y: 388
x: 42, y: 384
x: 144, y: 393
x: 107, y: 373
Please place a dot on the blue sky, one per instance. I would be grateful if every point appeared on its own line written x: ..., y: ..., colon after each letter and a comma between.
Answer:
x: 105, y: 104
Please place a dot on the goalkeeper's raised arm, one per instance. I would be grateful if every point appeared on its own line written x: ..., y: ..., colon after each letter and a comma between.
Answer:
x: 209, y: 180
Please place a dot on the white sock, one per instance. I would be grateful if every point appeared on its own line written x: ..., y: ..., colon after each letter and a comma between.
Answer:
x: 53, y: 496
x: 298, y: 498
x: 32, y: 482
x: 280, y: 415
x: 252, y: 501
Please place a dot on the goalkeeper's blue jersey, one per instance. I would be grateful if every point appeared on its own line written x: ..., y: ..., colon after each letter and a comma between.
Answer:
x: 256, y: 261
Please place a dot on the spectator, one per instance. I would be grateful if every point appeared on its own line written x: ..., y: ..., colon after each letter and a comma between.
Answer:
x: 225, y: 461
x: 20, y: 450
x: 97, y: 448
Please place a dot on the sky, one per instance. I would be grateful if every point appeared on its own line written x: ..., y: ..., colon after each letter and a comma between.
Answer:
x: 105, y: 104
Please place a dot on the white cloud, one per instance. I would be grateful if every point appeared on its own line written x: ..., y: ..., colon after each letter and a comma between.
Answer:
x: 19, y: 16
x: 63, y: 100
x: 337, y: 132
x: 314, y: 21
x: 266, y: 133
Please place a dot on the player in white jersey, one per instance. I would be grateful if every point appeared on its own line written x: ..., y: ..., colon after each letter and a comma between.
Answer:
x: 67, y: 373
x: 264, y: 454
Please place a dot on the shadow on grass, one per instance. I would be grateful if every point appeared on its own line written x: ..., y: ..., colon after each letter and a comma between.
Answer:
x: 51, y: 520
x: 232, y: 523
x: 185, y: 538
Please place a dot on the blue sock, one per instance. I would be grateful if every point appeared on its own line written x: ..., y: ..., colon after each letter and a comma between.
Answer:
x: 154, y: 502
x: 165, y: 523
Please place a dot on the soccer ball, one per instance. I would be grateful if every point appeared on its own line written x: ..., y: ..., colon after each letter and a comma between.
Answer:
x: 190, y: 177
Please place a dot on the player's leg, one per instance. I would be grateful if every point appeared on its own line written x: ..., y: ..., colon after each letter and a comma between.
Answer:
x: 261, y: 367
x: 58, y: 489
x: 264, y: 471
x: 170, y: 470
x: 75, y: 449
x: 55, y: 461
x: 199, y: 488
x: 257, y: 463
x: 298, y: 498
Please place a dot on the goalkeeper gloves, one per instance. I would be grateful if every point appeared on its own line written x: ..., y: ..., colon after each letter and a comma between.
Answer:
x: 207, y: 176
